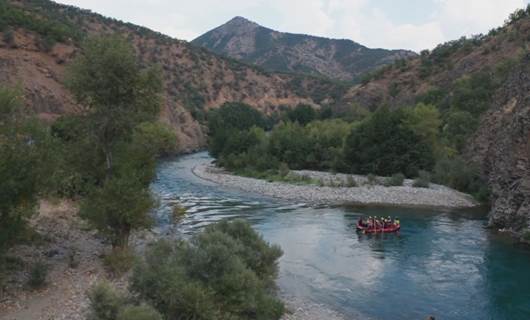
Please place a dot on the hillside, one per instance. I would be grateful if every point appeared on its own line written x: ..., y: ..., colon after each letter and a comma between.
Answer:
x: 286, y: 52
x: 480, y: 86
x: 39, y: 37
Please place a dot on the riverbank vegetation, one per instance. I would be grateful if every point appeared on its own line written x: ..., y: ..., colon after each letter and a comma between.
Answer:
x: 227, y: 271
x: 423, y: 142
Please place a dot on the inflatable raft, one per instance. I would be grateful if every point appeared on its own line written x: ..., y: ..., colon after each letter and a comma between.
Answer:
x: 388, y: 229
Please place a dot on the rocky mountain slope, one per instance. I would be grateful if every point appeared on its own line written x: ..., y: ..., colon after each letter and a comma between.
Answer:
x: 39, y: 37
x: 286, y: 52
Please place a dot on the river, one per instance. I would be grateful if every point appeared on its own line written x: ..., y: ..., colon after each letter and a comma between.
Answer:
x: 442, y: 263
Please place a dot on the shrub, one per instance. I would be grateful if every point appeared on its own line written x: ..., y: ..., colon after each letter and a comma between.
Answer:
x: 371, y: 179
x: 225, y: 272
x: 526, y: 235
x: 423, y: 180
x: 350, y: 182
x: 395, y: 180
x: 37, y: 275
x: 73, y: 261
x: 141, y: 312
x: 283, y: 170
x: 105, y: 302
x: 459, y: 175
x: 119, y: 261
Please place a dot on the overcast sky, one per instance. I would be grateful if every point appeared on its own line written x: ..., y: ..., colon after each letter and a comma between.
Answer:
x: 408, y: 24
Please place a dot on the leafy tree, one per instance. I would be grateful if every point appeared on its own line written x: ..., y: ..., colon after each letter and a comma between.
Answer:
x: 117, y: 208
x: 383, y: 145
x: 289, y: 143
x: 107, y: 80
x: 225, y: 272
x: 424, y: 120
x: 303, y: 114
x: 228, y: 120
x: 121, y: 103
x: 459, y: 125
x: 473, y: 93
x: 24, y: 161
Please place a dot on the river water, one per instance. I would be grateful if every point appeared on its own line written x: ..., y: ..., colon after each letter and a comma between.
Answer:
x: 442, y: 263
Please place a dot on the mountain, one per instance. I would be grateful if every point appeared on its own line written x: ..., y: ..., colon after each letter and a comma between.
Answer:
x: 247, y: 41
x: 39, y: 37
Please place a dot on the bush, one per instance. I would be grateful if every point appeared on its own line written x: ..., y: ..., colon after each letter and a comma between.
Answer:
x: 283, y: 170
x: 119, y: 261
x: 350, y: 182
x: 423, y: 180
x: 105, y: 302
x: 526, y: 235
x: 37, y: 275
x: 141, y: 312
x: 459, y: 175
x: 371, y: 179
x: 395, y: 180
x: 225, y: 272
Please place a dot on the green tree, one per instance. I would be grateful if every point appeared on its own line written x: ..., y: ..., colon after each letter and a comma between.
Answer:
x: 459, y: 125
x: 117, y: 129
x: 117, y: 94
x: 303, y: 114
x: 25, y: 157
x: 424, y: 120
x: 290, y: 143
x: 383, y: 145
x: 229, y: 119
x: 117, y: 208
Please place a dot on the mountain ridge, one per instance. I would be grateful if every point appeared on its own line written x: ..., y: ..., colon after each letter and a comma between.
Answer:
x: 340, y: 59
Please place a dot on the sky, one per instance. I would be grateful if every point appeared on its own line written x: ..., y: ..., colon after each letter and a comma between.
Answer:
x: 391, y: 24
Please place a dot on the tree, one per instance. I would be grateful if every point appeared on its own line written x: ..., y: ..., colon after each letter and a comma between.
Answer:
x: 290, y: 143
x: 107, y: 80
x: 229, y: 119
x: 459, y: 125
x: 121, y: 103
x: 424, y: 120
x: 117, y: 208
x: 303, y: 114
x: 24, y: 160
x: 383, y: 145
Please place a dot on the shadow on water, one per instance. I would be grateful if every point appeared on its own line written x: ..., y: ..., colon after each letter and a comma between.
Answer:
x: 442, y: 262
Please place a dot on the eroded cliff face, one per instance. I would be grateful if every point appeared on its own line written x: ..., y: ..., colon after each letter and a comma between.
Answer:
x: 502, y: 147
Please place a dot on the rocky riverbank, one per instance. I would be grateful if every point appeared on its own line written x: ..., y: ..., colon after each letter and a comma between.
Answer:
x: 67, y: 239
x: 364, y: 193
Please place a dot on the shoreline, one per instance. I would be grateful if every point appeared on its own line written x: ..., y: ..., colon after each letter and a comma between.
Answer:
x: 436, y: 196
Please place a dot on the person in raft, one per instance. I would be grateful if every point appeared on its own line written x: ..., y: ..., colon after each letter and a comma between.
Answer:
x: 376, y: 222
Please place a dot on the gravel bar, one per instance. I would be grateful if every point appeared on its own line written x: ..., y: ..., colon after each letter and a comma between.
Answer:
x: 363, y: 194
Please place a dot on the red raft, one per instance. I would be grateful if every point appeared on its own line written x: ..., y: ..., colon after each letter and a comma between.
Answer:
x: 388, y: 229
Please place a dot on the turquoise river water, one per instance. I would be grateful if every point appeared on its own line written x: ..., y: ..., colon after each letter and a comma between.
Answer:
x: 442, y: 263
